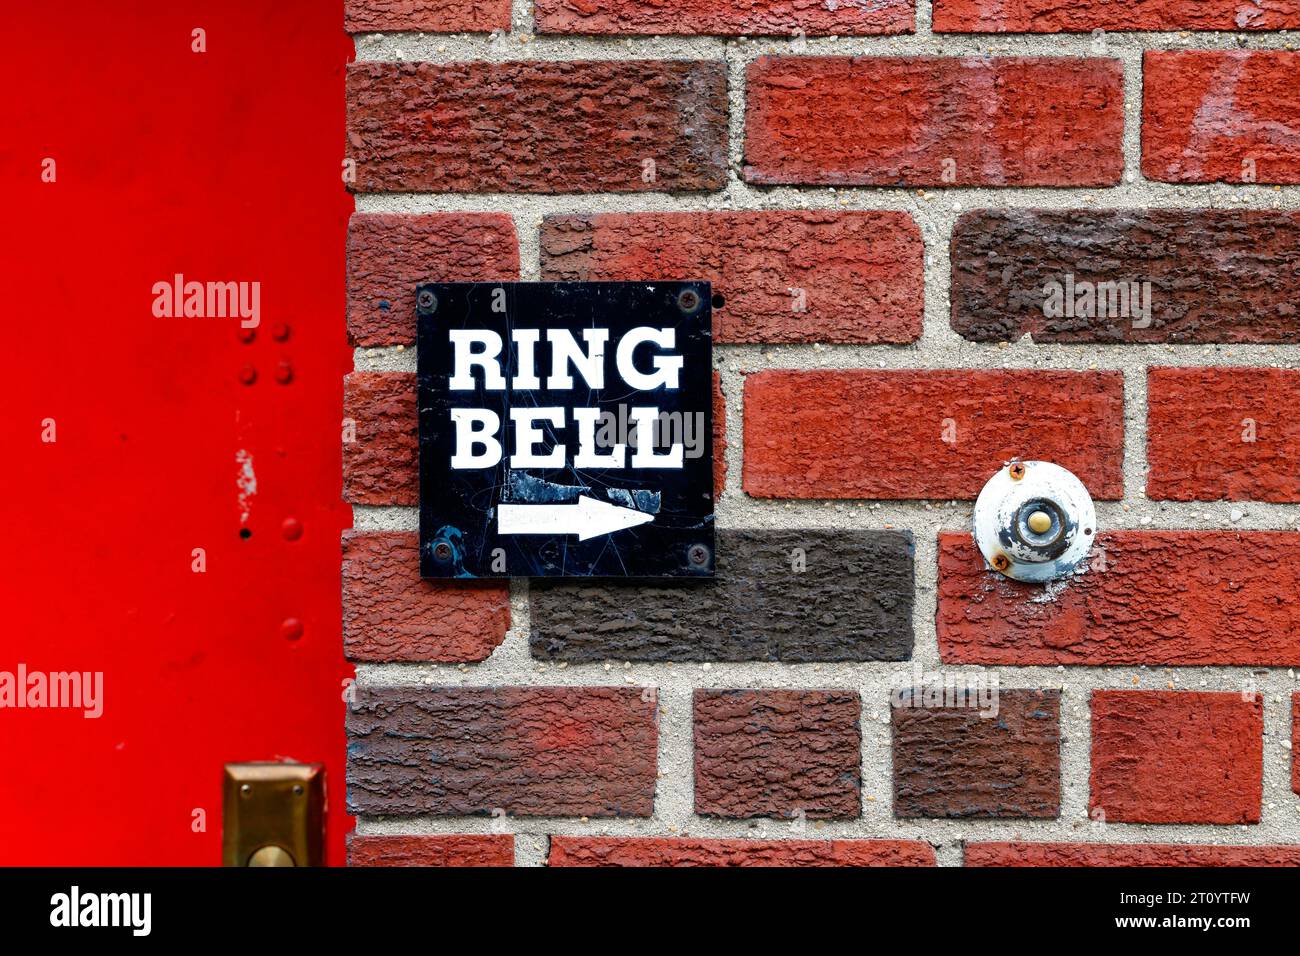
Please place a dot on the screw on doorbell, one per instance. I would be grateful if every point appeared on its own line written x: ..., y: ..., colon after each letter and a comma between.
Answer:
x: 1034, y: 521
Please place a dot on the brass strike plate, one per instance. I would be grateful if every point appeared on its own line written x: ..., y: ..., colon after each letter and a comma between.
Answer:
x: 273, y: 814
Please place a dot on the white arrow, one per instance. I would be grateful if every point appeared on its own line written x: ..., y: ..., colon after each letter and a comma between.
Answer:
x: 586, y: 519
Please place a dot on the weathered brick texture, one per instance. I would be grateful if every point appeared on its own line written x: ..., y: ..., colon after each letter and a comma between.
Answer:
x: 432, y: 16
x: 1176, y: 757
x: 725, y: 17
x: 777, y: 753
x: 929, y: 121
x: 966, y: 762
x: 527, y: 751
x: 381, y: 467
x: 538, y: 126
x: 819, y: 276
x: 926, y: 434
x: 484, y: 849
x: 1127, y: 854
x: 1051, y: 16
x: 793, y: 596
x: 819, y: 331
x: 1216, y: 275
x: 1165, y: 597
x: 684, y: 851
x: 391, y: 614
x: 389, y: 254
x: 1228, y: 116
x: 1223, y: 433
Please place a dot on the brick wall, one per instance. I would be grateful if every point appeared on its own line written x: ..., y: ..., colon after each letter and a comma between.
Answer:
x: 880, y: 193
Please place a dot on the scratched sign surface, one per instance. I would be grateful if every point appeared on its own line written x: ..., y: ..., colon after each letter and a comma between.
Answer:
x: 566, y: 429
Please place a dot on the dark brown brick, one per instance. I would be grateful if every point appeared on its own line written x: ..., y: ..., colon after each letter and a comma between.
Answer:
x: 391, y: 614
x: 777, y: 753
x: 1216, y: 275
x: 852, y: 603
x: 953, y: 762
x: 529, y: 751
x: 538, y: 126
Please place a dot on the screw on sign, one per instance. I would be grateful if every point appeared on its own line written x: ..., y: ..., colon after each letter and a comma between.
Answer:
x: 566, y: 429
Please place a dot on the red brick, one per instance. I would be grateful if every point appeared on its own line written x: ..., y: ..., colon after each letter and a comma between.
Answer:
x: 965, y: 762
x: 381, y: 467
x: 1164, y: 597
x: 538, y: 126
x: 1176, y: 757
x: 391, y: 614
x: 688, y: 851
x: 1052, y: 16
x: 1206, y: 112
x: 719, y: 437
x: 1223, y: 433
x: 724, y: 17
x: 777, y: 753
x: 485, y: 849
x: 1005, y: 121
x: 389, y: 254
x: 867, y: 434
x: 527, y: 751
x: 1127, y: 854
x: 427, y: 16
x: 861, y: 272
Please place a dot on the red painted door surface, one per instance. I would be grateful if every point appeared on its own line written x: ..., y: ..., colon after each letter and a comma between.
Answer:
x: 221, y: 165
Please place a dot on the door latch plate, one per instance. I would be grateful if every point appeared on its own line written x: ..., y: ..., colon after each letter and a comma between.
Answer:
x: 273, y: 814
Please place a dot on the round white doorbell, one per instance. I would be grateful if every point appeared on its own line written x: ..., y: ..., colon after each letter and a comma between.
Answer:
x: 1034, y: 521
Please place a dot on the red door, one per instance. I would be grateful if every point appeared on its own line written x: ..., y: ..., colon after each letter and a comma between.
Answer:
x: 141, y: 444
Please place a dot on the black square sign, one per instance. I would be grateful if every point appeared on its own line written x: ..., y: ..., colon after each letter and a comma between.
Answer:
x: 566, y: 429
